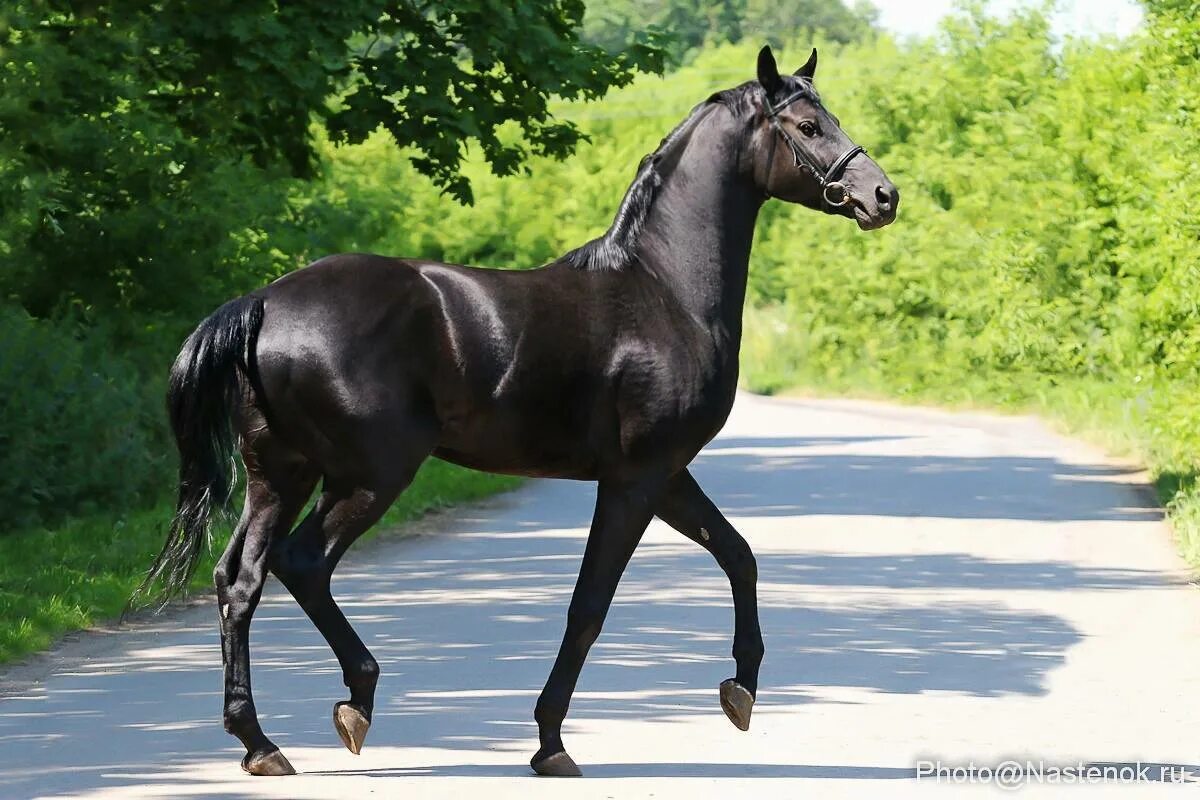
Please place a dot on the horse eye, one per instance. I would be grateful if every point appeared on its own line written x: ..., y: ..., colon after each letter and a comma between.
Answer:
x: 808, y: 129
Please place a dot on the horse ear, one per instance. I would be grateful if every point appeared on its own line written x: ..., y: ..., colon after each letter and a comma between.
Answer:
x: 810, y: 67
x: 768, y: 70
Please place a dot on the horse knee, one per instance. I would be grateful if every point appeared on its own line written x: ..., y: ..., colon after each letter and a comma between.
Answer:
x: 748, y: 567
x: 740, y: 564
x: 586, y: 636
x: 584, y: 622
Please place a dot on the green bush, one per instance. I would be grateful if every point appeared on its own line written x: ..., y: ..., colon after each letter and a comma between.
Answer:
x: 78, y: 428
x: 82, y: 571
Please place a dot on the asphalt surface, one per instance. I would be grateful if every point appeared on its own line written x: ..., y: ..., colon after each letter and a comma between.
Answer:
x: 934, y: 587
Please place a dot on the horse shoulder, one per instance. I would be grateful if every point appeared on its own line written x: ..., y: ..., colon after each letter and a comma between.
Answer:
x: 674, y: 387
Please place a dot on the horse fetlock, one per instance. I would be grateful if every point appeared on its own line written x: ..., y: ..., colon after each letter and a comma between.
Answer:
x: 362, y: 673
x: 545, y: 713
x: 239, y: 714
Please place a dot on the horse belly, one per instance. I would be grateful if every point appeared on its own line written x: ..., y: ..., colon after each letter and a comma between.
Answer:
x: 534, y: 448
x: 543, y: 426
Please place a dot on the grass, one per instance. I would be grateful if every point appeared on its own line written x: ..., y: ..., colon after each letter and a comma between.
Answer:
x: 76, y: 574
x: 1154, y: 421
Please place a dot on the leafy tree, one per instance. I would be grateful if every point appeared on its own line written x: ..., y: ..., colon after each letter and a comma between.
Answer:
x: 135, y: 135
x: 689, y: 24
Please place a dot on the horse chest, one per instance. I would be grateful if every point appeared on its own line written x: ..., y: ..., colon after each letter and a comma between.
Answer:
x: 671, y: 413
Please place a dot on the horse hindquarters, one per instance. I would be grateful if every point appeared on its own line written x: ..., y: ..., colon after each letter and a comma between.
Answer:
x: 338, y: 386
x: 313, y: 398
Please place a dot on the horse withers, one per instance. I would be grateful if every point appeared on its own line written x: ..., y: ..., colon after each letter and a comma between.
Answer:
x: 616, y: 363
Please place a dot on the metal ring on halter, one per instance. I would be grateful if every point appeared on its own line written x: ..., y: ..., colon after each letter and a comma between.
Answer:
x: 843, y: 198
x: 803, y: 160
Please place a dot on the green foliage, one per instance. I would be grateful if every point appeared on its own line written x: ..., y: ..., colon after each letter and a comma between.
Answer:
x: 370, y: 198
x: 437, y: 74
x: 689, y: 24
x: 153, y: 162
x: 144, y: 146
x: 121, y: 173
x: 1045, y: 257
x: 55, y: 580
x: 77, y: 431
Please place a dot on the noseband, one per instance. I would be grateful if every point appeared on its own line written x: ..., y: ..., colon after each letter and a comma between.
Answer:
x: 833, y: 192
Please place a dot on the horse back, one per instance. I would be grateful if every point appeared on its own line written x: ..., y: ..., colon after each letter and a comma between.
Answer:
x: 547, y: 372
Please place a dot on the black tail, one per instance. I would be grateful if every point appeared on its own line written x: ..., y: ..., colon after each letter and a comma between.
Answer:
x: 204, y: 394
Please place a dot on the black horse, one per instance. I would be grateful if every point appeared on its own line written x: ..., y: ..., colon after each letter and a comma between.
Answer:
x: 616, y: 363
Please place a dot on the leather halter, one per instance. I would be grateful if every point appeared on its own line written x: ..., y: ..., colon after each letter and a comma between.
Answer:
x: 833, y: 192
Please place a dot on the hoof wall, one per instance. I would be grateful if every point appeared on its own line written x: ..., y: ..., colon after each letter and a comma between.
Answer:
x: 559, y: 765
x: 272, y: 763
x: 351, y: 725
x: 737, y: 703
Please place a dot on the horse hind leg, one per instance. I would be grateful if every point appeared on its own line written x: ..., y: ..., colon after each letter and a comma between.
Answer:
x: 304, y: 563
x: 276, y: 490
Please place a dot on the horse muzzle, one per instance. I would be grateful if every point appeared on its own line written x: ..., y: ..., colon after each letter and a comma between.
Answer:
x: 876, y: 212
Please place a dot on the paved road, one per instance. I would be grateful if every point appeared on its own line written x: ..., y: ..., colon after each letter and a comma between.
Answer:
x: 933, y: 585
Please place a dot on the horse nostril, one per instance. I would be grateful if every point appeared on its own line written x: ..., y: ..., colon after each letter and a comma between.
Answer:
x: 884, y: 198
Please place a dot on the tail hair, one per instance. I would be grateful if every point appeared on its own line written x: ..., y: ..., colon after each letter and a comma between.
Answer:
x: 204, y: 393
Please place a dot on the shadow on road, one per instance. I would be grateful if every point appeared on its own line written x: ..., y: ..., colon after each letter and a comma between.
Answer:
x: 653, y: 770
x: 466, y: 631
x: 744, y: 482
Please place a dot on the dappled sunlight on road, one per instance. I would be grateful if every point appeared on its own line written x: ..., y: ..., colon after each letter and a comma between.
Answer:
x: 897, y: 576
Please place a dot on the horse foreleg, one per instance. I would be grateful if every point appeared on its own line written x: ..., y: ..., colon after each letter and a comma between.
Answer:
x: 304, y: 563
x: 686, y: 508
x: 622, y: 514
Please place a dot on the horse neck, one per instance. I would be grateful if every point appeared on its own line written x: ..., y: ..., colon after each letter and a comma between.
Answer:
x: 699, y: 231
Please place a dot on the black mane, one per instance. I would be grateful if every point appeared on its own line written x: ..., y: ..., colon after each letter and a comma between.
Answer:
x: 614, y: 250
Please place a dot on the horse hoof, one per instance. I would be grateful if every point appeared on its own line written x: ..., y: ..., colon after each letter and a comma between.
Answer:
x: 351, y: 725
x: 559, y: 765
x: 272, y: 763
x: 737, y: 703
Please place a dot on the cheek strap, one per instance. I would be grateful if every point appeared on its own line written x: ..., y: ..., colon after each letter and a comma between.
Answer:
x: 833, y: 192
